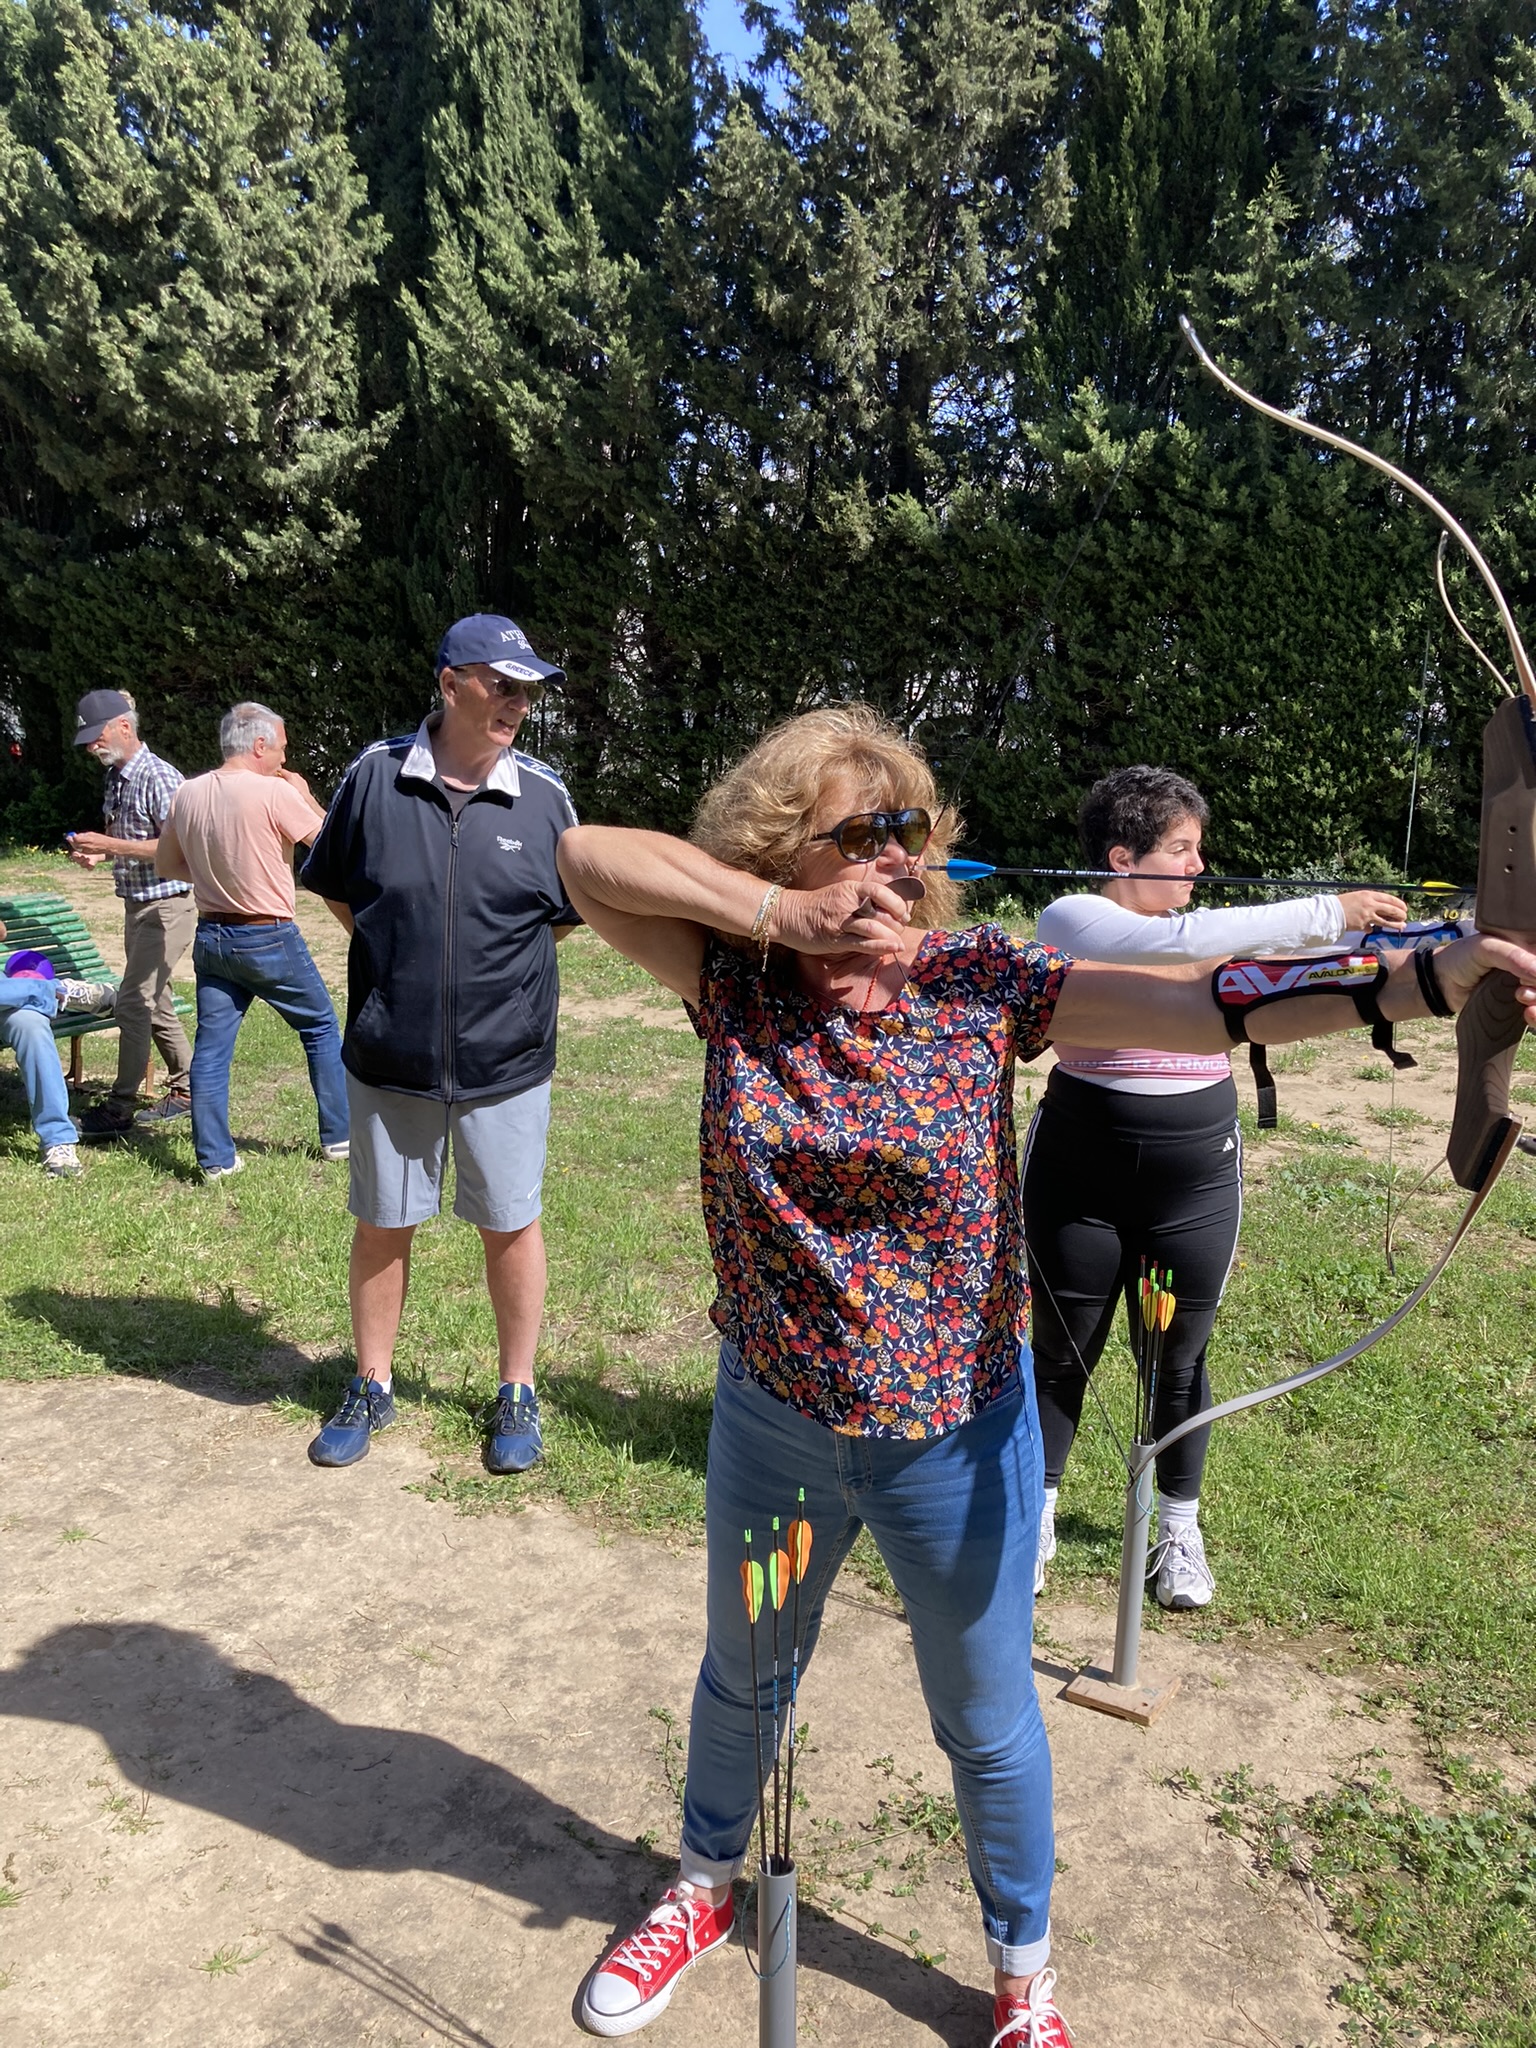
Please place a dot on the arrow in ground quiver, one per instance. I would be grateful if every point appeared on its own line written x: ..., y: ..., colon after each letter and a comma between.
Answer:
x: 799, y: 1565
x: 778, y: 1588
x: 752, y: 1599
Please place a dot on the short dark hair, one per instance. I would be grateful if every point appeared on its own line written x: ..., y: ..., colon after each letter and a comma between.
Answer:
x: 1133, y: 808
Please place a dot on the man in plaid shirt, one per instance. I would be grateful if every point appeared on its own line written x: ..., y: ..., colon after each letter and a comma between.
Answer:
x: 159, y: 918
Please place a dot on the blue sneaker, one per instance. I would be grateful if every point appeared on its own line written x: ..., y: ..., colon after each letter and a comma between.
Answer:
x: 515, y: 1441
x: 344, y: 1438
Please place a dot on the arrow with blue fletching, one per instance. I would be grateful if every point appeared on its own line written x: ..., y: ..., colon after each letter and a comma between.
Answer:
x: 980, y: 870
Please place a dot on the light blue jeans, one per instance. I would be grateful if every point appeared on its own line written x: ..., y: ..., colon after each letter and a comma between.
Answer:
x: 26, y: 1025
x: 234, y: 964
x: 957, y: 1519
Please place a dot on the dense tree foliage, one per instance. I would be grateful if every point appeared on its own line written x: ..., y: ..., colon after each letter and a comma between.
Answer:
x: 858, y: 377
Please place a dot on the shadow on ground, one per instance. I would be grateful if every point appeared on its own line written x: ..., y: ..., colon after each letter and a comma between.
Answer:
x: 219, y: 1349
x: 655, y: 1421
x: 183, y: 1722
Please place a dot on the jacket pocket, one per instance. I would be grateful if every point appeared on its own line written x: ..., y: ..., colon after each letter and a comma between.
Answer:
x: 382, y: 1053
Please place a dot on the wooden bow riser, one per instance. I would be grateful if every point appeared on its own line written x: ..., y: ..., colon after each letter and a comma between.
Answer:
x: 1490, y: 1028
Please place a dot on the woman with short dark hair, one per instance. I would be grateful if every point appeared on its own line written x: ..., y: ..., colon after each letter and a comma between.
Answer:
x: 1135, y: 1152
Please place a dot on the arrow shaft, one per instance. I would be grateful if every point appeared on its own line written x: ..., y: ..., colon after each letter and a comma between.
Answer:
x: 980, y: 870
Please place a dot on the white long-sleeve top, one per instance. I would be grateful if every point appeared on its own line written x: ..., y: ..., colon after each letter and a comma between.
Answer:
x: 1094, y: 928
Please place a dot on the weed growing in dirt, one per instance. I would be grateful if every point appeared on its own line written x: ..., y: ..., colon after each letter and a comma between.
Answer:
x: 224, y: 1962
x: 129, y: 1810
x: 1439, y: 1906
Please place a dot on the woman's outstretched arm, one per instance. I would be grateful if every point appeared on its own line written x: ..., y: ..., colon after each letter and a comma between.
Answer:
x: 1172, y: 1007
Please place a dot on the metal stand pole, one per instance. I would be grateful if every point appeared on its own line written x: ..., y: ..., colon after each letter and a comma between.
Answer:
x: 1134, y: 1544
x: 1117, y: 1691
x: 778, y: 1930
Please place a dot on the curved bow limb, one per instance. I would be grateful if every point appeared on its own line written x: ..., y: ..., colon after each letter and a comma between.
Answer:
x: 1490, y: 1027
x: 1522, y: 661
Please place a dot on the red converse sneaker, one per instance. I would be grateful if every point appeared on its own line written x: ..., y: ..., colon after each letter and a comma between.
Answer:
x: 1031, y: 2022
x: 637, y: 1980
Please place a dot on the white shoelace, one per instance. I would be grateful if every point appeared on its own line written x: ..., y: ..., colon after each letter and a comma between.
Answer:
x: 1027, y: 2029
x: 1182, y: 1554
x: 647, y: 1948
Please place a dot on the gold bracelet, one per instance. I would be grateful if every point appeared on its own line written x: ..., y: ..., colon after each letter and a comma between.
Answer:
x: 764, y: 918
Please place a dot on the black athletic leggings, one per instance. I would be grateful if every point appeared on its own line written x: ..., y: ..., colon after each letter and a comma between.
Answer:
x: 1110, y: 1178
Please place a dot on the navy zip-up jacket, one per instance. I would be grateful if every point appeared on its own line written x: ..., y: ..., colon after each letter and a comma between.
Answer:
x: 452, y: 986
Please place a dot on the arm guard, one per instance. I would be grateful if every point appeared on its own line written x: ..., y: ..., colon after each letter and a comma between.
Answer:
x: 1242, y: 986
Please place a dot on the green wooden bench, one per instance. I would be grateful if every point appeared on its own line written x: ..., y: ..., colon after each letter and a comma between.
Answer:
x: 49, y: 924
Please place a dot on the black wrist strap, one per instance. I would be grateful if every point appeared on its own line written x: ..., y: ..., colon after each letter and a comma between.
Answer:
x: 1368, y: 1002
x: 1429, y: 981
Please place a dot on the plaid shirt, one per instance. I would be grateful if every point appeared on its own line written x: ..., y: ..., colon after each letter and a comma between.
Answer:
x: 136, y: 805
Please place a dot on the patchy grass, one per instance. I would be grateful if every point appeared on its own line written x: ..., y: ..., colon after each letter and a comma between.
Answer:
x: 1440, y: 1906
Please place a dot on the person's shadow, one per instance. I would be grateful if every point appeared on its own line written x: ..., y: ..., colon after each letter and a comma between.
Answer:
x: 183, y: 1722
x: 219, y: 1349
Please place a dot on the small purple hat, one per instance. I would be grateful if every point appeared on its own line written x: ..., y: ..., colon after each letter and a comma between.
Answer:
x: 38, y: 965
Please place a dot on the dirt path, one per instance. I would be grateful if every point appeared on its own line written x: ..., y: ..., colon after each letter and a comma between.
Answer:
x: 398, y: 1762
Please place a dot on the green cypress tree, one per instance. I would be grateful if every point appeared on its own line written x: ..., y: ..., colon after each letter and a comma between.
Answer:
x: 853, y: 268
x: 180, y: 243
x: 538, y: 330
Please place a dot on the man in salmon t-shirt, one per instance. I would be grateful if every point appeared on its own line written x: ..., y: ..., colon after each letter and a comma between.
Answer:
x: 231, y: 834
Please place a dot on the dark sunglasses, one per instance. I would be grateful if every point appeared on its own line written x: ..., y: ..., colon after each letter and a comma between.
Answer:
x: 510, y: 686
x: 866, y: 834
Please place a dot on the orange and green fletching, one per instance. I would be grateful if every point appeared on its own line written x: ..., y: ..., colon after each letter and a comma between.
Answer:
x: 1165, y: 1308
x: 752, y: 1588
x: 778, y: 1576
x: 800, y: 1547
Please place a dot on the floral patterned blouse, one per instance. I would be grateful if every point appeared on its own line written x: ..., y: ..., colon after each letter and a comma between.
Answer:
x: 860, y: 1180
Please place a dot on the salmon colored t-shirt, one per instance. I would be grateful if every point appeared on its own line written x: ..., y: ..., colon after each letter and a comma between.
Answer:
x: 235, y: 834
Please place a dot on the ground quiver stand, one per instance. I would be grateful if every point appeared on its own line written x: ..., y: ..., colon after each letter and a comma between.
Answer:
x: 778, y: 1937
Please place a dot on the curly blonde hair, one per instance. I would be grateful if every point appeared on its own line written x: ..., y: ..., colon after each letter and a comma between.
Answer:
x: 760, y: 815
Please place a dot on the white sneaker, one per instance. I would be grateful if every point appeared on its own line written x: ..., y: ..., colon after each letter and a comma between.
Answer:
x: 62, y: 1161
x: 336, y: 1153
x: 212, y: 1173
x: 1045, y: 1549
x: 95, y: 998
x: 1183, y: 1576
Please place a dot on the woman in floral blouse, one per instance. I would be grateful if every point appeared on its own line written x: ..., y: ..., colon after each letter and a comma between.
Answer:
x: 860, y: 1185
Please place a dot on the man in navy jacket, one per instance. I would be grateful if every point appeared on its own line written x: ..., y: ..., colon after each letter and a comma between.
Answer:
x: 438, y: 856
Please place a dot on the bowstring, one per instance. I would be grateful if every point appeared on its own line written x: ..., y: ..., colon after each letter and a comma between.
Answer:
x: 1037, y: 1277
x: 1413, y: 793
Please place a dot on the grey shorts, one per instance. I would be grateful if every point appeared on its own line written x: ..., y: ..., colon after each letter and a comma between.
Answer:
x: 400, y: 1146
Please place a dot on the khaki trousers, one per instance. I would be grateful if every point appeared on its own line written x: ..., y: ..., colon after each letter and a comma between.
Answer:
x: 155, y: 938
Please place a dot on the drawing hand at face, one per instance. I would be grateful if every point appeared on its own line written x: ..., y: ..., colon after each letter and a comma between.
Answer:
x: 858, y: 913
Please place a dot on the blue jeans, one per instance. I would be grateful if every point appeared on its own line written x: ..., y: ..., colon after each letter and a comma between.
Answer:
x: 234, y: 964
x: 956, y: 1519
x: 26, y: 1026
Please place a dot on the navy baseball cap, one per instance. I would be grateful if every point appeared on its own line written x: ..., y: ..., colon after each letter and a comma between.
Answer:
x: 500, y: 643
x: 96, y: 709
